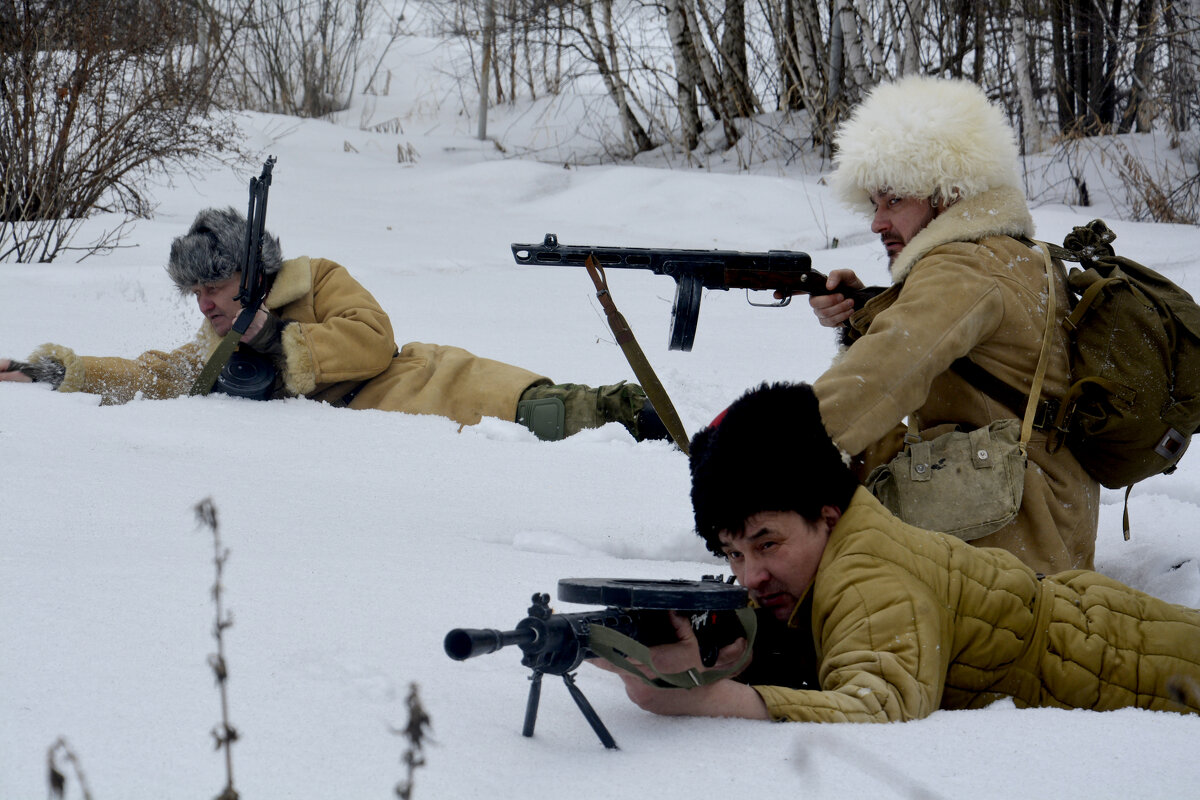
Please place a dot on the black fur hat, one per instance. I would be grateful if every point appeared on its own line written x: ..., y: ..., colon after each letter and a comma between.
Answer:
x: 767, y: 452
x: 211, y: 250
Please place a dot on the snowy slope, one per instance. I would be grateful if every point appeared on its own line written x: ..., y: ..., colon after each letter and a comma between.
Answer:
x: 358, y: 539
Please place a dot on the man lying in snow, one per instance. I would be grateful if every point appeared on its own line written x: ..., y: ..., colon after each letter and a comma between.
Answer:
x: 330, y: 341
x: 870, y: 619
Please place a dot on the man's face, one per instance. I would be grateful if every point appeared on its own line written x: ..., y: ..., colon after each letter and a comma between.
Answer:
x: 776, y: 556
x: 216, y: 302
x: 899, y: 219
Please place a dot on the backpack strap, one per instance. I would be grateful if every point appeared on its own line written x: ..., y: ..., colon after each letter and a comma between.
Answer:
x: 1046, y: 412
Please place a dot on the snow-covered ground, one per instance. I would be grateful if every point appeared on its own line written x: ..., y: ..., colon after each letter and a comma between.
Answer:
x: 358, y: 538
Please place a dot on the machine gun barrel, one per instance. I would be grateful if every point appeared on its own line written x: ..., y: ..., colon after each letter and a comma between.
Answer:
x: 553, y: 643
x: 463, y: 643
x: 638, y: 610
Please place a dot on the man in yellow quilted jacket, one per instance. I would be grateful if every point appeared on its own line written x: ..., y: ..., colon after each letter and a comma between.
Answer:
x: 329, y: 340
x: 867, y: 619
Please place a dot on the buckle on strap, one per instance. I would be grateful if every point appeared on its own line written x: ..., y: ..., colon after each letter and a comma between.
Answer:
x: 1046, y: 414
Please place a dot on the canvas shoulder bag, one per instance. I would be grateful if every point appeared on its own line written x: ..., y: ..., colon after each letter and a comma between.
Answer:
x: 966, y: 483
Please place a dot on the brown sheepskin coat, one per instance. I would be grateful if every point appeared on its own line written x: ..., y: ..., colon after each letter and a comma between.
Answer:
x: 340, y: 341
x: 906, y: 622
x: 963, y: 286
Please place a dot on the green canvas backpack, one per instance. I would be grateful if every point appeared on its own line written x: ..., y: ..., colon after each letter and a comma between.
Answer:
x: 1134, y: 399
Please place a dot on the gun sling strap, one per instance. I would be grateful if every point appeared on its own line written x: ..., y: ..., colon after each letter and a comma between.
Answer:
x: 216, y: 362
x: 620, y: 650
x: 637, y: 359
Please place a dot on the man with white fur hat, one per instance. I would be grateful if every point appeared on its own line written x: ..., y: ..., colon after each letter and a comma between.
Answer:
x: 330, y: 341
x: 936, y: 165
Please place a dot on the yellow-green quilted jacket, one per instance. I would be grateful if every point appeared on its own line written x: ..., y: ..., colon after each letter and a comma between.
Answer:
x: 906, y: 622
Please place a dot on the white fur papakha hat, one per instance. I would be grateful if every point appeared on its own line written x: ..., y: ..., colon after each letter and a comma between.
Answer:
x: 924, y: 137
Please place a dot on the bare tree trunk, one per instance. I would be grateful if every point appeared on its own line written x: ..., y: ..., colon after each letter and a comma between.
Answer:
x: 1061, y: 35
x: 960, y: 36
x: 604, y: 56
x: 849, y: 20
x: 735, y: 72
x: 868, y: 44
x: 810, y: 53
x: 911, y: 63
x: 837, y: 51
x: 488, y: 46
x: 1183, y: 56
x: 687, y: 73
x: 1106, y: 94
x: 803, y: 74
x: 980, y: 40
x: 710, y: 83
x: 1141, y: 100
x: 1023, y: 77
x: 781, y: 17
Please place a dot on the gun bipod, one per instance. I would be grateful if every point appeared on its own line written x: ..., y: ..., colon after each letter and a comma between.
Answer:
x: 589, y: 713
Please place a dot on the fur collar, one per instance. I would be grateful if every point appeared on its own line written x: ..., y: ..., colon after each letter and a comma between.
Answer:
x: 293, y: 281
x: 997, y: 212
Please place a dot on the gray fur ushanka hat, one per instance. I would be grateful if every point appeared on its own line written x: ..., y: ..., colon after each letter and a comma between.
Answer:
x: 211, y: 250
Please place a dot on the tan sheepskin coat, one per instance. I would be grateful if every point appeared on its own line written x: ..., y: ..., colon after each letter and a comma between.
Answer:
x: 340, y: 340
x: 906, y: 622
x: 964, y: 286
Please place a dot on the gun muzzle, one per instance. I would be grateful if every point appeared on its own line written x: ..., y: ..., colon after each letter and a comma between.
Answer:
x: 463, y: 643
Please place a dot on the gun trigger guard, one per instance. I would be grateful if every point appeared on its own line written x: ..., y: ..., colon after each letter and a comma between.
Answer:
x: 779, y: 304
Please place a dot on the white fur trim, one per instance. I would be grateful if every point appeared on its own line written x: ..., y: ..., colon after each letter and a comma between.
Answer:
x: 299, y: 374
x: 293, y: 281
x: 73, y: 378
x: 999, y: 212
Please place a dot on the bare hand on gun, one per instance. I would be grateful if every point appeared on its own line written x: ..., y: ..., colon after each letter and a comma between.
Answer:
x: 10, y: 372
x: 832, y: 310
x: 722, y: 698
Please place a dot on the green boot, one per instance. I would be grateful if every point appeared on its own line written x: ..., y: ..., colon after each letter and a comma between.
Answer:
x: 555, y: 411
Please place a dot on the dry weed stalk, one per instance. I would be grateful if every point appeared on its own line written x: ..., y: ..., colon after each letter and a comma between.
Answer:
x: 414, y: 732
x: 1162, y: 198
x: 224, y: 734
x: 57, y: 777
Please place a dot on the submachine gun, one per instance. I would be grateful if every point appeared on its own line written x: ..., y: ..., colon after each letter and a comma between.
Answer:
x: 241, y: 372
x: 785, y: 271
x: 636, y: 616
